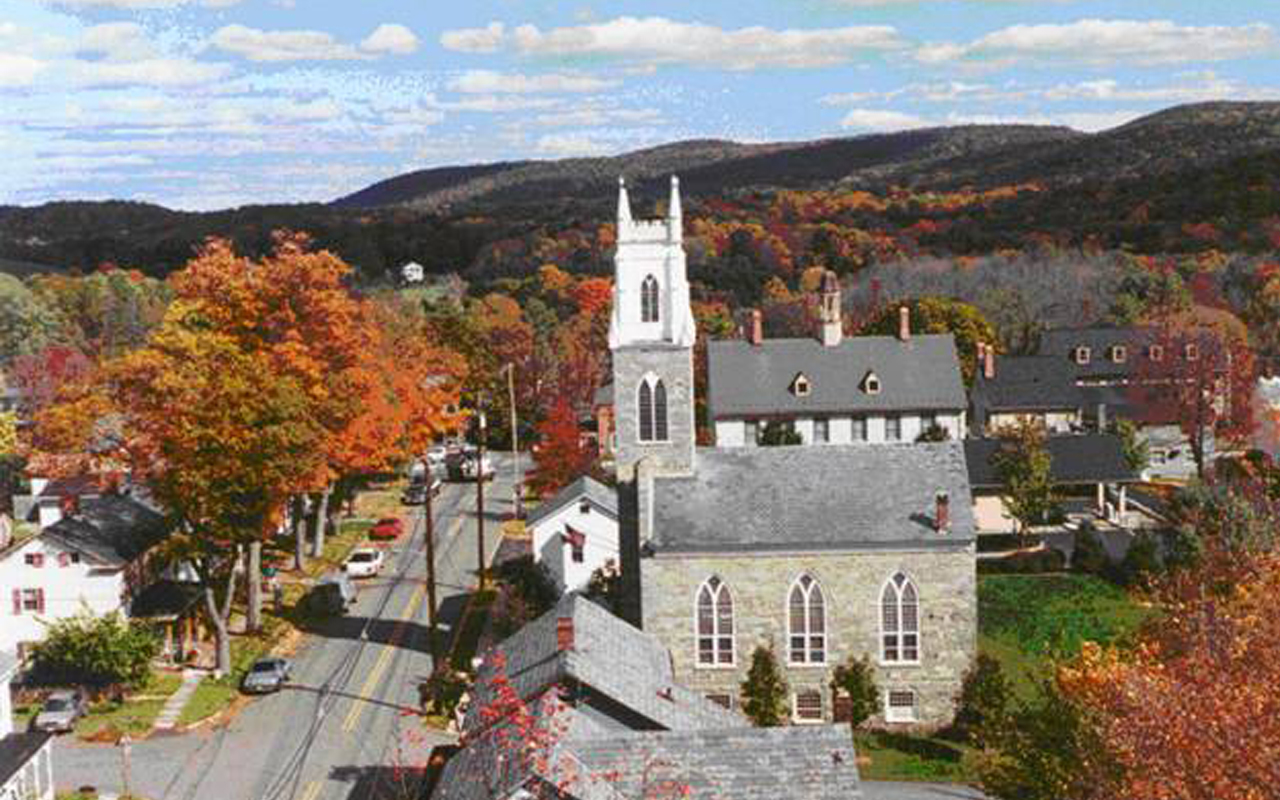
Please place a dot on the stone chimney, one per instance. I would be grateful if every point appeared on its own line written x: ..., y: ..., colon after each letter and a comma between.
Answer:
x: 755, y: 328
x: 564, y: 634
x: 942, y: 512
x: 904, y: 324
x: 832, y: 321
x: 989, y: 362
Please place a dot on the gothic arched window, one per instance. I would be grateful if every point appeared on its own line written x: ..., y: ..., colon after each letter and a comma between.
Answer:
x: 649, y: 299
x: 900, y: 621
x: 652, y: 407
x: 715, y: 623
x: 806, y: 622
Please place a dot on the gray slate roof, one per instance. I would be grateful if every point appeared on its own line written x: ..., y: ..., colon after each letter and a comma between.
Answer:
x: 1083, y: 458
x: 609, y: 656
x: 922, y: 373
x: 1027, y: 383
x: 813, y: 497
x: 17, y: 749
x: 602, y: 497
x: 8, y: 666
x: 114, y: 529
x: 805, y: 762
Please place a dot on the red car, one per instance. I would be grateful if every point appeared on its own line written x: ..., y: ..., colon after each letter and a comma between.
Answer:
x: 387, y: 528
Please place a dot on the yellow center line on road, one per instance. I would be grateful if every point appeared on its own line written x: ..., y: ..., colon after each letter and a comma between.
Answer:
x: 311, y: 791
x: 380, y: 665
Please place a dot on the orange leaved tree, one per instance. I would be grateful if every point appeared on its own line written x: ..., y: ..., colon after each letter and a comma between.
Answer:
x: 560, y: 456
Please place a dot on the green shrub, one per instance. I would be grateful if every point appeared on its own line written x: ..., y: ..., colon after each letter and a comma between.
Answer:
x: 530, y: 582
x: 1026, y: 562
x: 764, y: 692
x: 1142, y: 560
x: 96, y: 650
x: 983, y: 703
x: 856, y: 680
x: 1089, y: 556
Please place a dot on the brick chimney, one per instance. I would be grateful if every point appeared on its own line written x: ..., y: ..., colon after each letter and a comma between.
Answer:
x: 989, y: 362
x: 942, y: 512
x: 564, y: 634
x: 904, y: 324
x: 755, y: 328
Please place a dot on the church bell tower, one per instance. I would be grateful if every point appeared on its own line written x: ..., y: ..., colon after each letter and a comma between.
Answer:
x: 651, y: 335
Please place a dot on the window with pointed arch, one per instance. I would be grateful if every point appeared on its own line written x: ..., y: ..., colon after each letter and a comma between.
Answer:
x: 900, y: 621
x: 806, y: 622
x: 653, y: 409
x: 715, y: 624
x: 649, y: 299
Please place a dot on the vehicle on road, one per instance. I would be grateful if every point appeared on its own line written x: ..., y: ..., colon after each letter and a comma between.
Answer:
x: 466, y: 465
x: 332, y: 594
x: 416, y: 493
x: 365, y: 562
x: 60, y: 711
x: 387, y: 528
x: 266, y: 675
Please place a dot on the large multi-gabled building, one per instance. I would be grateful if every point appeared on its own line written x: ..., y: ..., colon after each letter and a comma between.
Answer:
x: 820, y: 553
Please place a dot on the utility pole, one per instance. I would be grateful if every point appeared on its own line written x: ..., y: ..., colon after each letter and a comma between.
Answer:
x: 480, y: 504
x: 515, y: 442
x: 430, y: 530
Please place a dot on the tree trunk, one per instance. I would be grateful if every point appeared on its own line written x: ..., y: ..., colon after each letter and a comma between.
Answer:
x: 297, y: 509
x: 253, y: 574
x: 219, y: 617
x: 321, y: 522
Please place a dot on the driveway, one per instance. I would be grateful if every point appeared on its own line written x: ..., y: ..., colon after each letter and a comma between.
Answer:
x: 895, y: 790
x: 346, y: 726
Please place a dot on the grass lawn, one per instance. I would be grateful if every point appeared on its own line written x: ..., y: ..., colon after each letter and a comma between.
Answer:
x: 1025, y: 621
x: 107, y: 720
x: 910, y: 757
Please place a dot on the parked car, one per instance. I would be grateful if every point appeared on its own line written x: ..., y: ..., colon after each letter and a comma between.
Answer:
x: 464, y: 465
x: 266, y: 675
x: 365, y: 562
x: 387, y: 528
x: 332, y: 594
x: 435, y: 455
x: 60, y: 711
x: 416, y: 493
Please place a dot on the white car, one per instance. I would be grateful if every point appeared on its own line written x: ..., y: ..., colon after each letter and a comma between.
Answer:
x: 365, y: 562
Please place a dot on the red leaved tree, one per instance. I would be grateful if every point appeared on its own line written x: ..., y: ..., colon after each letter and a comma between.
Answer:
x: 560, y: 456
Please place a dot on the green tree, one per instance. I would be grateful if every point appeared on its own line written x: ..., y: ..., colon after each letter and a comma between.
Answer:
x: 96, y: 650
x: 27, y: 324
x: 856, y: 679
x: 982, y: 707
x: 764, y: 692
x: 776, y: 433
x: 1089, y: 555
x: 1134, y: 447
x: 1142, y: 559
x: 939, y: 315
x: 1024, y: 467
x: 934, y: 433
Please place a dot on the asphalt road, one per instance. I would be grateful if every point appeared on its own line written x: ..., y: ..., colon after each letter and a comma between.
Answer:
x: 346, y: 726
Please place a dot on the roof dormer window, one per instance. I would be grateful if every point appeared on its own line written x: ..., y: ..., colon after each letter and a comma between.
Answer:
x: 1191, y: 352
x: 871, y: 383
x: 1119, y: 353
x: 1082, y: 355
x: 1156, y: 352
x: 800, y: 386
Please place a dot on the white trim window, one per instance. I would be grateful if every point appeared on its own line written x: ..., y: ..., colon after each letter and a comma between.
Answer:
x: 806, y: 705
x: 714, y: 624
x: 900, y: 706
x: 899, y: 621
x: 651, y: 402
x: 858, y: 426
x: 893, y: 427
x: 821, y: 430
x: 649, y: 299
x: 806, y: 622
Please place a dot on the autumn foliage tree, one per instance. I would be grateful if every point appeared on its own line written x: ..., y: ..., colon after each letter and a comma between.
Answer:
x: 561, y: 456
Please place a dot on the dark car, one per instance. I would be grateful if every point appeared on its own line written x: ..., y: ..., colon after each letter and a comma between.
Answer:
x: 416, y: 493
x: 266, y: 675
x: 387, y: 528
x: 333, y: 594
x: 60, y: 711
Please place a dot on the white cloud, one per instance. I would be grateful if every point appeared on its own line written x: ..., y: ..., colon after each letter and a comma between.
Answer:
x: 474, y: 40
x: 589, y: 117
x: 137, y: 5
x: 1098, y: 41
x: 178, y: 71
x: 871, y: 119
x: 483, y: 81
x: 657, y: 40
x: 497, y: 104
x: 117, y: 41
x: 259, y: 45
x: 1196, y: 87
x: 569, y: 145
x: 17, y: 70
x: 390, y: 38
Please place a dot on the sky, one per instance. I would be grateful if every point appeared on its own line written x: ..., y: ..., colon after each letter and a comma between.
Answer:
x: 205, y: 104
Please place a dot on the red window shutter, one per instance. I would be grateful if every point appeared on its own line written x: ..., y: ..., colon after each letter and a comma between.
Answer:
x: 39, y: 601
x: 37, y: 560
x: 17, y: 601
x: 64, y: 559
